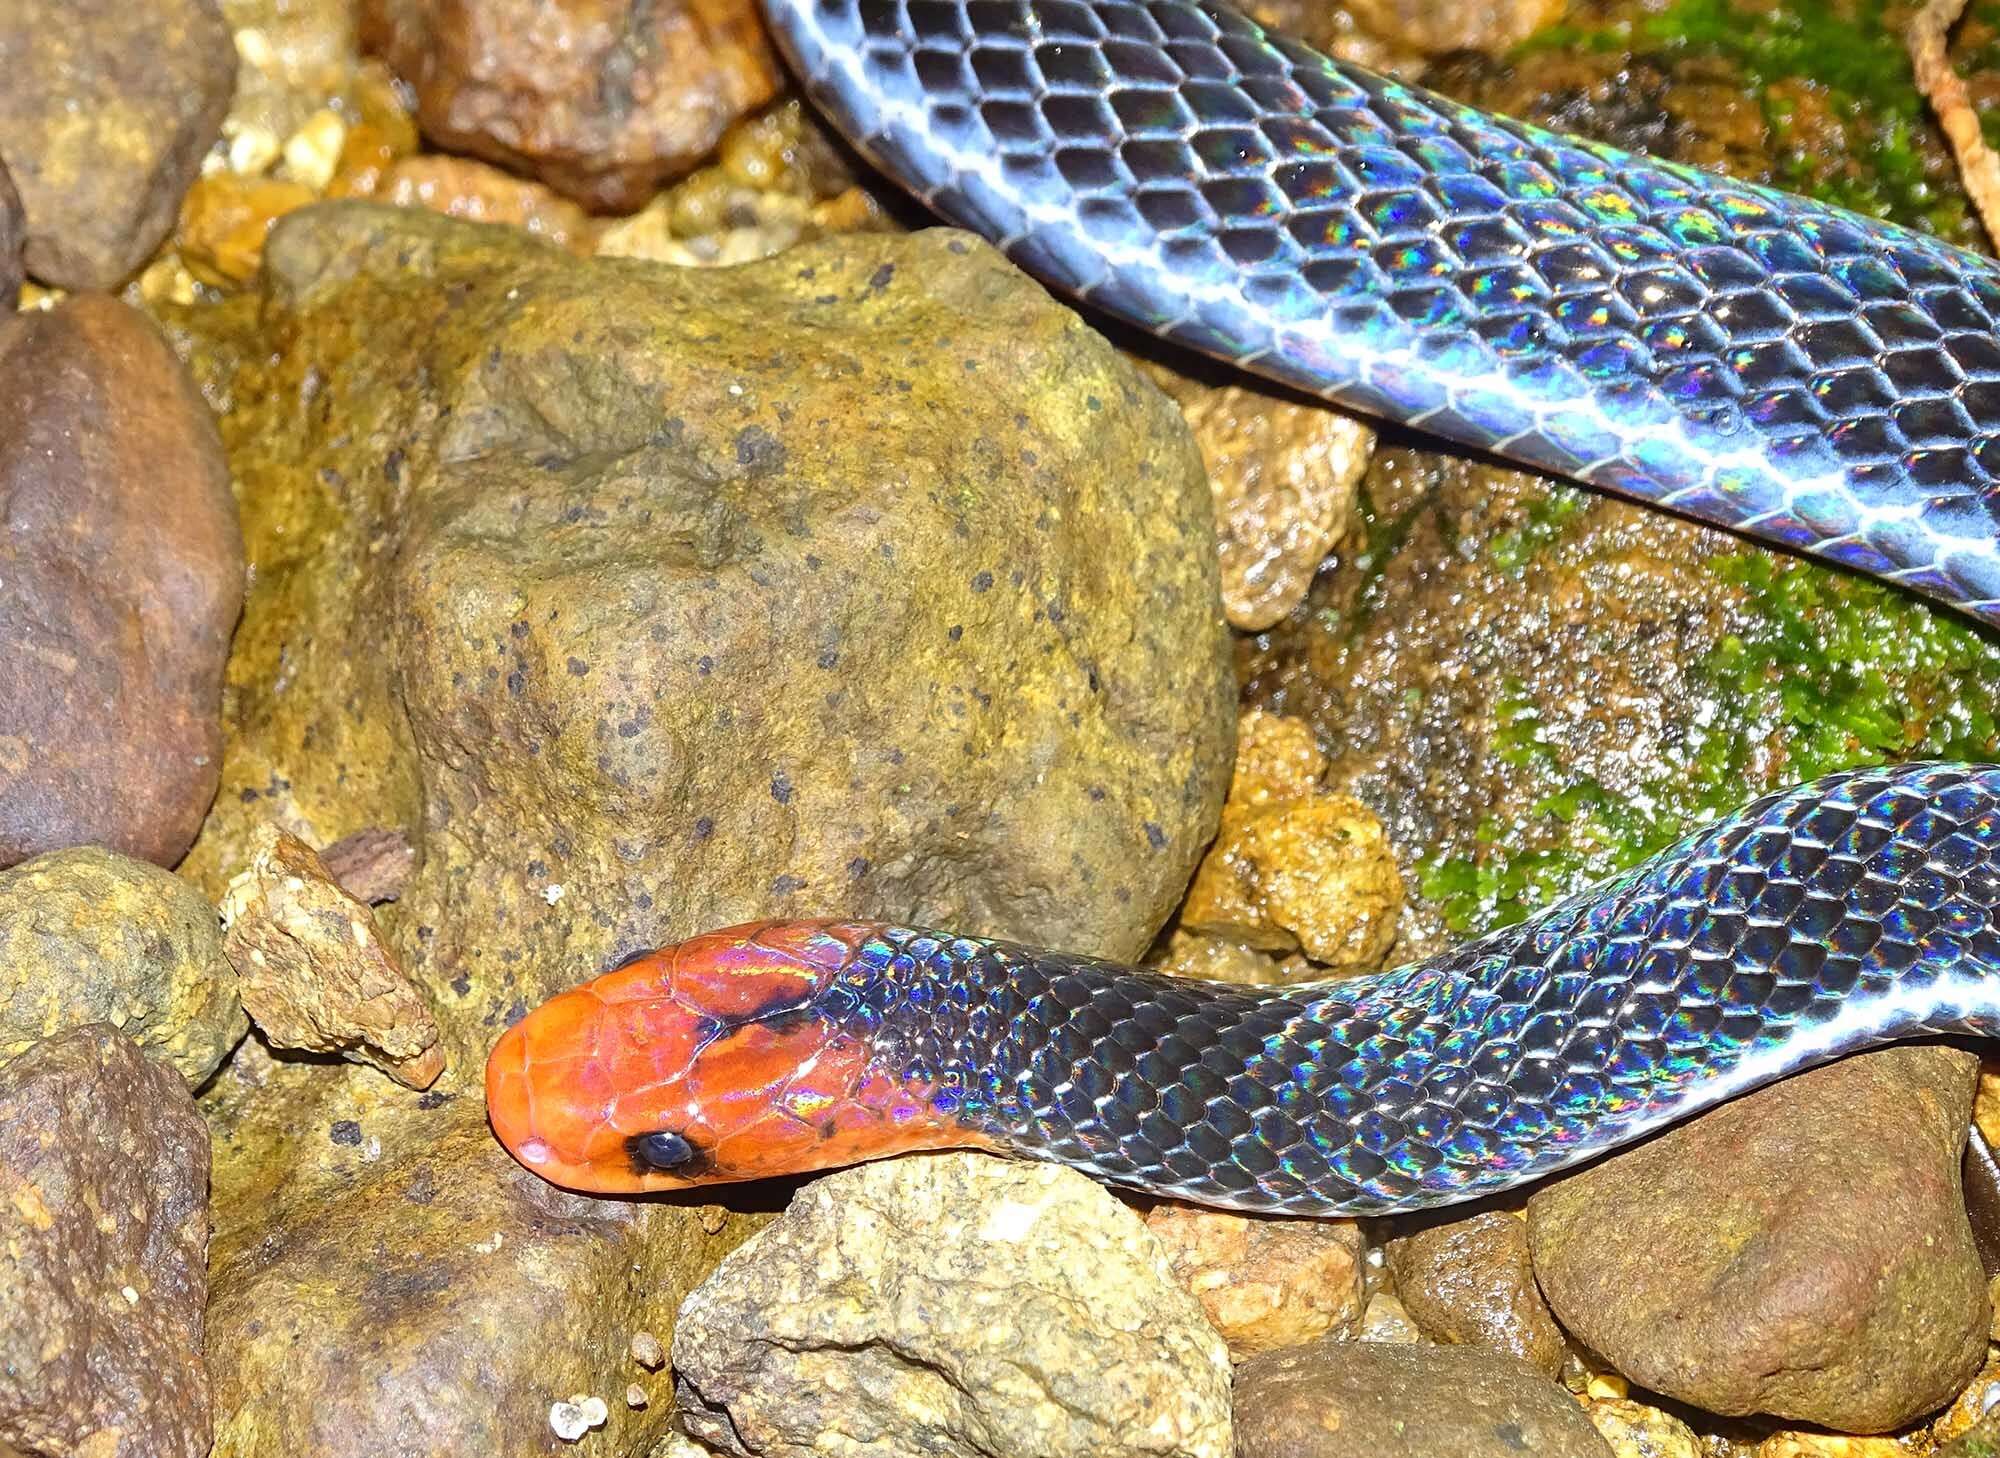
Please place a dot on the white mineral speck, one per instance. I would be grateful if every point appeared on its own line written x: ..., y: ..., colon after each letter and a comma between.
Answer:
x: 574, y: 1416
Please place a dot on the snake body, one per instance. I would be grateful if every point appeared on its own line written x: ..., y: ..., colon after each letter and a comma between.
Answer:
x: 1858, y: 909
x: 1785, y: 369
x: 1794, y: 372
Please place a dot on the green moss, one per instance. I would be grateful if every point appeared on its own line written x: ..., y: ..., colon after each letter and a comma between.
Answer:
x: 1851, y: 53
x: 1548, y: 515
x: 1838, y: 671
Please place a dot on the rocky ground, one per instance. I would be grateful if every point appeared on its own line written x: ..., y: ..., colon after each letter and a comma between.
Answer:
x: 429, y: 580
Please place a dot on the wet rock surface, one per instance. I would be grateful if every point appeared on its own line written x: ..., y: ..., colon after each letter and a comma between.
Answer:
x: 1634, y: 1430
x: 89, y: 936
x: 953, y: 1304
x: 1368, y: 1399
x: 1802, y: 1251
x: 120, y: 579
x: 1284, y: 471
x: 103, y: 1236
x: 1265, y: 1283
x: 602, y: 100
x: 106, y: 113
x: 1469, y: 1281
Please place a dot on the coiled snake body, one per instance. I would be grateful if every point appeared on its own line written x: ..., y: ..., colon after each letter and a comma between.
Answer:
x: 1788, y: 370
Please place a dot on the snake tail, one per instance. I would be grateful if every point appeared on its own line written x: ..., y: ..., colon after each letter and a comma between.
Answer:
x: 1855, y: 910
x: 1792, y: 371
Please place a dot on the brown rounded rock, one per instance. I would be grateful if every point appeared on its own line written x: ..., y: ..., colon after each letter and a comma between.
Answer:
x: 103, y: 1253
x: 1470, y: 1282
x: 1802, y: 1251
x: 123, y: 574
x: 761, y: 649
x: 601, y: 99
x: 1265, y: 1283
x: 88, y: 936
x: 106, y: 113
x: 1373, y: 1399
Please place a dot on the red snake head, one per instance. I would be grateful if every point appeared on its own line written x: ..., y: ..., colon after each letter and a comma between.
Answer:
x: 706, y: 1061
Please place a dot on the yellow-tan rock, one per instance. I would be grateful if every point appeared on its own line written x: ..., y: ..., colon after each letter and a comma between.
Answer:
x: 90, y: 936
x: 1265, y: 1283
x: 314, y: 972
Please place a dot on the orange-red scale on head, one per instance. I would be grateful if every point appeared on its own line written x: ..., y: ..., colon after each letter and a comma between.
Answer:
x: 718, y: 1040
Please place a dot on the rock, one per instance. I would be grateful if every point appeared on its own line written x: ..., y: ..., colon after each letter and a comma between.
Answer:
x: 1468, y: 1281
x: 382, y: 134
x: 1293, y: 868
x: 1981, y: 1441
x: 480, y: 193
x: 314, y: 972
x: 103, y: 124
x: 950, y: 1305
x: 1317, y: 876
x: 89, y: 936
x: 225, y: 220
x: 761, y: 656
x: 629, y: 594
x: 1265, y: 1283
x: 372, y: 865
x: 123, y: 572
x: 603, y: 101
x: 13, y: 234
x: 1221, y: 959
x: 1969, y: 1409
x: 778, y: 177
x: 297, y: 63
x: 1284, y: 472
x: 103, y: 1240
x: 1830, y: 1445
x: 1434, y: 30
x: 1634, y: 1430
x: 1802, y: 1251
x: 1384, y: 1320
x: 376, y: 1255
x: 1370, y: 1399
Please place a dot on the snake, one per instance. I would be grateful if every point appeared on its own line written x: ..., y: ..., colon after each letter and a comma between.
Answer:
x: 1805, y: 376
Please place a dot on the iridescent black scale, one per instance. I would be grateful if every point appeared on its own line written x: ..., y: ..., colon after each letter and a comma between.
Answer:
x: 1786, y: 369
x: 1858, y: 909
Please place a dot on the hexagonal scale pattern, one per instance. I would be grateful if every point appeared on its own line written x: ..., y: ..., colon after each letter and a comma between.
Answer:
x: 1858, y: 909
x: 1789, y: 370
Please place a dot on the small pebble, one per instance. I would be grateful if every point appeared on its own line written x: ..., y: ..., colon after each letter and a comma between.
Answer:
x: 635, y: 1395
x: 647, y: 1351
x: 573, y: 1417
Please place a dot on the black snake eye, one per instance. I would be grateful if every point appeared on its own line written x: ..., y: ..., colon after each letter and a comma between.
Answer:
x: 664, y: 1151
